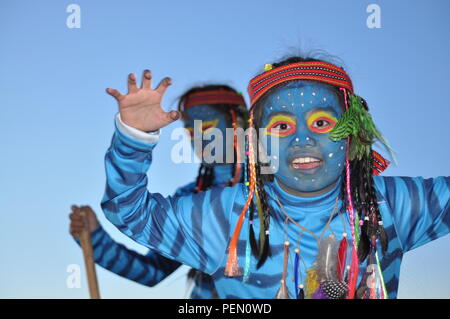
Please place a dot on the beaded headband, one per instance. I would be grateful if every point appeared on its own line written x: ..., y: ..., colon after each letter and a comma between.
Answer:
x: 214, y: 97
x: 312, y: 70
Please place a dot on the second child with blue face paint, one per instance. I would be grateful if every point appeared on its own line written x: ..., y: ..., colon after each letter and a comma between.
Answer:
x: 320, y: 225
x: 217, y: 107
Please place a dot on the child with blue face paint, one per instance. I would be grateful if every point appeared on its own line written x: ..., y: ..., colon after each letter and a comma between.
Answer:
x: 217, y: 107
x: 299, y: 115
x: 320, y: 225
x: 207, y: 113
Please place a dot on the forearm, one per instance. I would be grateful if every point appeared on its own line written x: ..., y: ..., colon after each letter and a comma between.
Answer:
x: 147, y: 270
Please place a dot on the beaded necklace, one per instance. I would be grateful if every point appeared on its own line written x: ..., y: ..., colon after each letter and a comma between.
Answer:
x: 333, y: 288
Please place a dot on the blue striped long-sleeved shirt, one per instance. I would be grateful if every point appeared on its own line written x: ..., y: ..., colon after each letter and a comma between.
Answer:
x: 152, y: 268
x: 195, y: 229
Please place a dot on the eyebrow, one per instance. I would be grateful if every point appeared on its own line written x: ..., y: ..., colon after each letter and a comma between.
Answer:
x: 281, y: 113
x: 323, y: 109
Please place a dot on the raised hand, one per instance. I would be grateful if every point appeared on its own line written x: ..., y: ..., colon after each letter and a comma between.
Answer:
x: 77, y: 221
x: 141, y: 107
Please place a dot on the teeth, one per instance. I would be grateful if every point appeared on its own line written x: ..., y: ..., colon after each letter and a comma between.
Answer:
x: 302, y: 160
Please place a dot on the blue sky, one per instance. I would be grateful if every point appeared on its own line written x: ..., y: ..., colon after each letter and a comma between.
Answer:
x: 57, y: 120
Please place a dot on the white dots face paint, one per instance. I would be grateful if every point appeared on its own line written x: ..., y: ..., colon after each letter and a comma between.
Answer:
x: 310, y: 102
x: 303, y: 104
x: 342, y: 147
x: 313, y: 180
x: 324, y: 99
x: 278, y: 97
x: 271, y: 108
x: 297, y: 139
x: 296, y: 178
x: 307, y: 138
x: 283, y: 106
x: 301, y: 93
x: 314, y: 93
x: 292, y: 103
x: 339, y: 164
x: 330, y: 155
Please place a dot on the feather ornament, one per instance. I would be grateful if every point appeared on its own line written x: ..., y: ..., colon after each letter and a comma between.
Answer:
x: 312, y: 282
x: 357, y: 123
x: 331, y: 290
x: 353, y: 274
x: 326, y: 261
x: 363, y: 243
x: 283, y: 292
x: 342, y: 258
x: 296, y: 269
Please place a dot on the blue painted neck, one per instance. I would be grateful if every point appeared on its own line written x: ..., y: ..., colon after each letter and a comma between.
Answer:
x: 222, y: 173
x: 323, y: 200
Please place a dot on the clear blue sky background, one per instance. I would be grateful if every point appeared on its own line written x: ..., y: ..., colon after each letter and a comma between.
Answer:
x: 57, y: 121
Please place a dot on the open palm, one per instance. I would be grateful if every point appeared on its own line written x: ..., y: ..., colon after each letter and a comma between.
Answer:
x: 141, y: 107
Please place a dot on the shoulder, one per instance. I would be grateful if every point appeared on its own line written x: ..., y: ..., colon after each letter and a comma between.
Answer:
x: 185, y: 190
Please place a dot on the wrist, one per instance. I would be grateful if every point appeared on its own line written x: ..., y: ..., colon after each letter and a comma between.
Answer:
x: 147, y: 137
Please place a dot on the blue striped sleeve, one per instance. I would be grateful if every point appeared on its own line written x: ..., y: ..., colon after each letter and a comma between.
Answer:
x: 147, y: 270
x: 192, y: 229
x: 420, y: 207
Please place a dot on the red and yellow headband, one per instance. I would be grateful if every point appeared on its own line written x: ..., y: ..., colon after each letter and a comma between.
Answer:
x: 214, y: 97
x: 312, y: 70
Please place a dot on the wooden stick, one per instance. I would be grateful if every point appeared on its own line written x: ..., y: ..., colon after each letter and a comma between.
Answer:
x: 86, y: 246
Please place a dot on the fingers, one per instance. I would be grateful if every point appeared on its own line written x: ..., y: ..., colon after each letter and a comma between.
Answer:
x: 75, y: 217
x: 75, y: 232
x: 146, y: 80
x: 173, y: 115
x: 132, y: 87
x: 114, y: 93
x: 163, y: 85
x: 76, y: 222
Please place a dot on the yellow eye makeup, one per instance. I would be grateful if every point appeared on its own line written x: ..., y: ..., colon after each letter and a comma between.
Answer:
x: 321, y: 122
x: 190, y: 131
x: 281, y: 126
x: 207, y: 126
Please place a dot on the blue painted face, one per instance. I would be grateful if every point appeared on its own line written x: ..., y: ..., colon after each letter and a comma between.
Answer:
x: 213, y: 122
x: 300, y: 114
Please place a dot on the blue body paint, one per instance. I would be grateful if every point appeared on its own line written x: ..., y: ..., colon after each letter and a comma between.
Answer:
x: 300, y: 100
x: 214, y: 123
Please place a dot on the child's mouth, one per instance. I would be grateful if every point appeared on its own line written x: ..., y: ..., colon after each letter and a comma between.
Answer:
x: 305, y: 163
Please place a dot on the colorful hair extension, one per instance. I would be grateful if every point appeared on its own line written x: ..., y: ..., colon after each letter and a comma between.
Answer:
x: 353, y: 274
x: 232, y: 267
x: 248, y: 247
x: 237, y: 163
